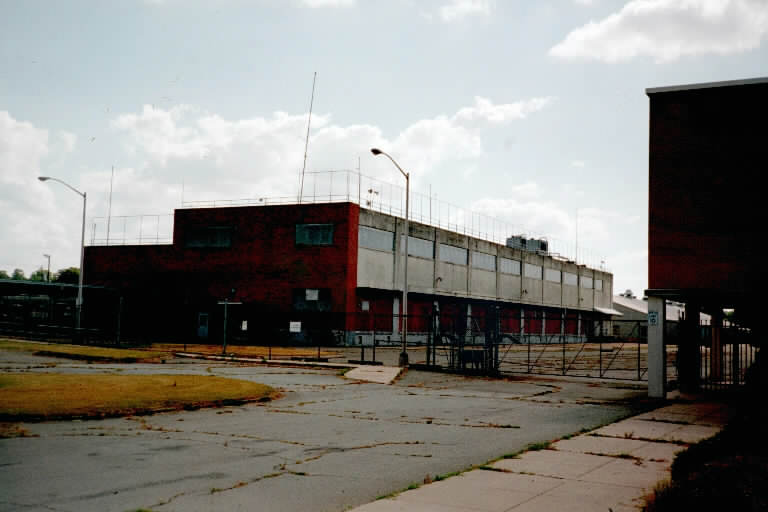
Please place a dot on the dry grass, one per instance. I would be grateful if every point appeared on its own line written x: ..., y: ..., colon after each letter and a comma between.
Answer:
x: 49, y: 395
x: 84, y: 352
x: 246, y: 350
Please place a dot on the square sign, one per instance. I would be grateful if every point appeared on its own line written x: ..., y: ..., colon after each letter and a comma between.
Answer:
x: 312, y: 294
x: 294, y: 326
x: 653, y: 318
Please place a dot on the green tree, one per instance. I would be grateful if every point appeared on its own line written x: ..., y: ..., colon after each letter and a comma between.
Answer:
x: 69, y: 275
x: 18, y: 274
x: 4, y: 275
x: 39, y: 275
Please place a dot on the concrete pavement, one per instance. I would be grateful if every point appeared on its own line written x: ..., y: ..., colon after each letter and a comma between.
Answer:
x: 611, y: 469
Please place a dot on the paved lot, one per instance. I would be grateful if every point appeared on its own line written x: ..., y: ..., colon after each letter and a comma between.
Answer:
x: 328, y: 444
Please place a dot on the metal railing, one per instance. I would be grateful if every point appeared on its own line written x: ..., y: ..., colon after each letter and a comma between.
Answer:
x: 349, y: 186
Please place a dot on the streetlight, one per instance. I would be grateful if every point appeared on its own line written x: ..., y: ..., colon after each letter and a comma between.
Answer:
x: 48, y: 275
x: 79, y: 303
x: 404, y: 353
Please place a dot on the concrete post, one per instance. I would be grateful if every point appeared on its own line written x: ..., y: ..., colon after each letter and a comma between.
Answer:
x: 657, y: 350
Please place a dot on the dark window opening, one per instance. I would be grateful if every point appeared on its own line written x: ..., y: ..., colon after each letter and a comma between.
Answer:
x: 212, y: 236
x: 314, y: 234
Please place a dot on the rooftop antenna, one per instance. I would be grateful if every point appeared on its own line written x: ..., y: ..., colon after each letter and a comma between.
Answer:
x: 306, y: 144
x: 109, y: 208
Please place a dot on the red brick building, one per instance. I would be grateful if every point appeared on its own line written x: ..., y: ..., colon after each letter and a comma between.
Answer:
x: 336, y: 268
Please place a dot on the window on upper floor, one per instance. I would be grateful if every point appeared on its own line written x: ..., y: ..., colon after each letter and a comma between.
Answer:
x: 483, y: 261
x: 552, y: 275
x: 418, y: 247
x: 599, y: 284
x: 372, y: 238
x: 209, y: 237
x: 570, y: 279
x: 508, y: 266
x: 532, y: 271
x: 453, y: 254
x: 586, y: 282
x: 314, y: 234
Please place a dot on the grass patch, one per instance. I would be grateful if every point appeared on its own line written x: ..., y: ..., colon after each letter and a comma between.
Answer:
x: 25, y: 397
x: 119, y: 355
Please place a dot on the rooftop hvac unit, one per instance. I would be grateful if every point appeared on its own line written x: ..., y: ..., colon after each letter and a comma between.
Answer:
x: 527, y: 244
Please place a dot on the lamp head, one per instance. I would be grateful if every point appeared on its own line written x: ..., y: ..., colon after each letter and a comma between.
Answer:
x: 376, y: 151
x: 43, y: 178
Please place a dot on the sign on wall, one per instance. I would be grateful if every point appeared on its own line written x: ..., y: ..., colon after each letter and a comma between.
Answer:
x: 653, y: 318
x: 294, y: 326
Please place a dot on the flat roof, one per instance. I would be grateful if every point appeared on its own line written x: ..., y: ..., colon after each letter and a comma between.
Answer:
x: 707, y: 85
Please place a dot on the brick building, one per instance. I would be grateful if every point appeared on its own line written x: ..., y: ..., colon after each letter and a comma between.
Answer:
x: 336, y: 268
x: 706, y: 224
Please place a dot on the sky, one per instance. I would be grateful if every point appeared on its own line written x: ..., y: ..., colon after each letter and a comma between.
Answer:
x: 532, y: 112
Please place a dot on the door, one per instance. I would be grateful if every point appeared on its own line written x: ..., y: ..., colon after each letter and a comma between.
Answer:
x: 202, y: 325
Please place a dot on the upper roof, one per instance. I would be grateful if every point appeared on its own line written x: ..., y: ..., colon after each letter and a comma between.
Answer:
x: 707, y: 85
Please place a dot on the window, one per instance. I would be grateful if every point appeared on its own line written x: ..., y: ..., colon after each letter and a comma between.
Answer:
x: 599, y: 284
x: 532, y: 271
x: 210, y: 236
x: 418, y: 247
x: 314, y: 234
x: 552, y: 275
x: 452, y: 254
x: 483, y: 261
x: 508, y: 266
x: 372, y: 238
x: 570, y: 279
x: 586, y: 282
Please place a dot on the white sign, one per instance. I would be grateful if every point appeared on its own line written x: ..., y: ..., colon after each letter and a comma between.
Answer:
x: 365, y: 305
x: 294, y: 326
x: 312, y: 294
x: 244, y: 327
x: 653, y: 318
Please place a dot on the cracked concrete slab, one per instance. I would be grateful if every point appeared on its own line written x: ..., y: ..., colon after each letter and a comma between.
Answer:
x: 328, y: 444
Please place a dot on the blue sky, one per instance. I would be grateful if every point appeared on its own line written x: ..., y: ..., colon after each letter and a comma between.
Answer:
x: 527, y: 111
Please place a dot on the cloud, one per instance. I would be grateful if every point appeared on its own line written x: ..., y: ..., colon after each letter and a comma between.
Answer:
x: 578, y: 163
x: 460, y: 9
x: 485, y: 110
x: 584, y: 2
x: 667, y: 30
x: 37, y: 218
x: 22, y: 147
x: 315, y: 4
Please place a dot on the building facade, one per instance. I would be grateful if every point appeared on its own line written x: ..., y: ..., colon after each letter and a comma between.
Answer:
x: 338, y: 269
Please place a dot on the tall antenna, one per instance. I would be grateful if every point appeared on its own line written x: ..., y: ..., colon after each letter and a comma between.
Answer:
x: 109, y: 208
x: 306, y: 144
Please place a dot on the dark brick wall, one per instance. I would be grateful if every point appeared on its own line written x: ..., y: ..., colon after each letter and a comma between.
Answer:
x: 264, y: 264
x: 708, y: 157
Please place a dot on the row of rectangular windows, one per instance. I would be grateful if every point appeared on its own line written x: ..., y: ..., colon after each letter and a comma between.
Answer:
x: 379, y: 239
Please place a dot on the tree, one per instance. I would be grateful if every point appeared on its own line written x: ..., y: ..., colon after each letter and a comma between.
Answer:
x: 69, y: 275
x: 4, y: 275
x: 39, y: 275
x: 18, y: 274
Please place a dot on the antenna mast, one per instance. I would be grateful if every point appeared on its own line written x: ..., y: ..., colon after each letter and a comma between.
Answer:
x: 306, y: 144
x: 109, y: 208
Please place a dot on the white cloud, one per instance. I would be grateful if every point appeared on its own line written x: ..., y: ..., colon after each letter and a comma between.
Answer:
x: 327, y: 3
x: 485, y: 110
x: 669, y: 29
x: 578, y: 163
x: 22, y: 147
x: 584, y: 2
x: 37, y: 218
x: 460, y: 9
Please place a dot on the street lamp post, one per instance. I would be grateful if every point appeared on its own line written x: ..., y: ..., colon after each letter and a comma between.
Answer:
x: 48, y: 275
x: 404, y: 353
x: 79, y: 303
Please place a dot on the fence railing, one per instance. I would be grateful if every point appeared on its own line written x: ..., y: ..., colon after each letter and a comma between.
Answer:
x: 350, y: 186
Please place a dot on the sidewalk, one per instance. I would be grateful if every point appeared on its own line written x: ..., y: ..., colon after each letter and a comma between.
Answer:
x: 611, y: 468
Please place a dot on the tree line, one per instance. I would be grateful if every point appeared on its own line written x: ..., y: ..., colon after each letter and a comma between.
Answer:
x: 65, y: 275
